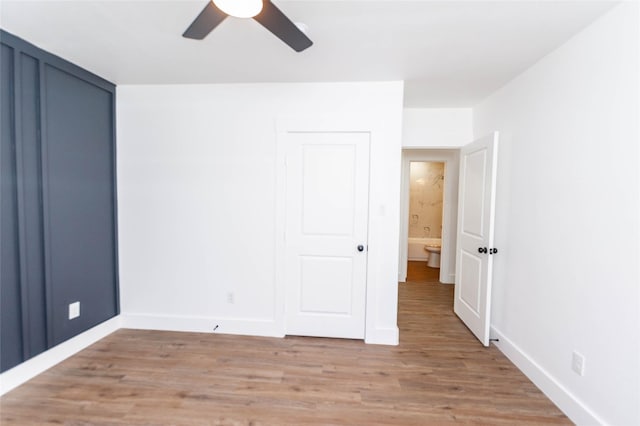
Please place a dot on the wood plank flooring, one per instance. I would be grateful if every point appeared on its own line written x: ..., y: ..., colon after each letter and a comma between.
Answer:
x: 439, y: 374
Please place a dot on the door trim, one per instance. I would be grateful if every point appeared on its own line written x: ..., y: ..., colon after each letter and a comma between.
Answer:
x: 449, y: 156
x: 333, y: 248
x: 310, y: 124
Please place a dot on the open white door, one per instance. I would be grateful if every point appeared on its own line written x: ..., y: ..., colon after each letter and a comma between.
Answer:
x: 472, y: 303
x: 327, y: 193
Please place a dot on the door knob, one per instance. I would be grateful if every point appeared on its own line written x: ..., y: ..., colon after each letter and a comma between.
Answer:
x: 482, y: 249
x: 360, y: 248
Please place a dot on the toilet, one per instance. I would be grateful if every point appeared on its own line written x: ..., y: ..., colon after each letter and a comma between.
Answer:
x: 434, y: 255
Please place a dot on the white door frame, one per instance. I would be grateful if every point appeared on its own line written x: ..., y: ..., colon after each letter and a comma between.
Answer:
x: 325, y: 249
x: 312, y: 124
x: 450, y: 157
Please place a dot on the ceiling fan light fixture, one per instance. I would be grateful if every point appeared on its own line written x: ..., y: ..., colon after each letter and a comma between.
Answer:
x: 239, y: 8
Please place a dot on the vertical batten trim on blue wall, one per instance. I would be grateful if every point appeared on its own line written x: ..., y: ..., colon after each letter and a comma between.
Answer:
x: 11, y: 154
x: 46, y: 235
x: 37, y: 161
x: 114, y: 171
x: 20, y: 198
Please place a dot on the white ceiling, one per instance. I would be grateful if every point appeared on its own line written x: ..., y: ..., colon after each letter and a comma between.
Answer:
x: 450, y: 53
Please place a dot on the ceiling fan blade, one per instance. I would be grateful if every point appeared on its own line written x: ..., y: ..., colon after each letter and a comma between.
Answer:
x: 275, y: 21
x: 207, y: 20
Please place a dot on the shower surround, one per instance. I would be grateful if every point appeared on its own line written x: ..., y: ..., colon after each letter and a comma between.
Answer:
x: 426, y: 199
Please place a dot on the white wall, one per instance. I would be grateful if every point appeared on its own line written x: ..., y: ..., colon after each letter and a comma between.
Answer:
x: 437, y: 127
x: 197, y: 201
x: 567, y: 220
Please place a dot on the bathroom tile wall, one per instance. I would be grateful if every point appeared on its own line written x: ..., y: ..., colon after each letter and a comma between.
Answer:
x: 425, y: 199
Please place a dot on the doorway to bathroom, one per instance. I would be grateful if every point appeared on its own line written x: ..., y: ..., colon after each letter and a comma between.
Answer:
x: 429, y: 213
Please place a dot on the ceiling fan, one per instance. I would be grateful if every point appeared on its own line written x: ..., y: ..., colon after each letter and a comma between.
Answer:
x: 263, y: 11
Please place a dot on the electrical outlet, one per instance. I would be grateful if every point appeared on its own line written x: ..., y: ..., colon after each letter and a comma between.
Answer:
x: 230, y: 298
x: 74, y: 310
x: 577, y: 363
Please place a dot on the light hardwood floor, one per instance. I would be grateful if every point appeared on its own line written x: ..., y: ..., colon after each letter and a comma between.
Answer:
x: 439, y: 374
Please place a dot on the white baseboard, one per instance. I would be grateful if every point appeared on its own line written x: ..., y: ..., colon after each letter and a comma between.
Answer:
x: 451, y: 279
x: 383, y: 336
x: 247, y: 327
x: 24, y: 372
x: 576, y: 410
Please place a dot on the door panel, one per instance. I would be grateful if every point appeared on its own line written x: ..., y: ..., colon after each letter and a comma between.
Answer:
x: 472, y: 303
x: 471, y: 269
x: 327, y: 202
x: 325, y: 285
x: 475, y: 191
x: 326, y: 221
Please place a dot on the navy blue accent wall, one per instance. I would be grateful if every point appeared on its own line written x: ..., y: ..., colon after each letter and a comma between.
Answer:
x: 10, y: 294
x: 58, y: 200
x: 79, y: 168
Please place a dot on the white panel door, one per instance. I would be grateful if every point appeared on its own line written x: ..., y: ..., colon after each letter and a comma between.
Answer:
x: 475, y: 250
x: 327, y: 183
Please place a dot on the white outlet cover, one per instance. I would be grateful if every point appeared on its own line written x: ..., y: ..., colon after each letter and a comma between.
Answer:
x: 74, y: 310
x: 577, y: 363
